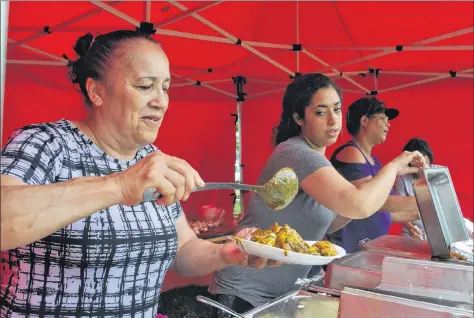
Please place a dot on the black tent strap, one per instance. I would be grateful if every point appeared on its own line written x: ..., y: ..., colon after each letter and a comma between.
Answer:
x: 399, y: 48
x: 372, y: 93
x: 47, y: 29
x: 198, y: 83
x: 375, y: 71
x: 209, y: 70
x: 297, y: 74
x: 69, y: 62
x: 239, y: 82
x: 238, y: 42
x: 146, y: 28
x: 297, y: 47
x: 452, y: 73
x: 236, y: 118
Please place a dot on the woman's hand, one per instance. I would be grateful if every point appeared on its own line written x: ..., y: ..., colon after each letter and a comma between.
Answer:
x: 409, y: 162
x: 232, y: 255
x: 174, y: 178
x: 413, y: 230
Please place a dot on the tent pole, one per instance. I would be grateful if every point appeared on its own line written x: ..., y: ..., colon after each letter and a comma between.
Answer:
x: 147, y: 10
x: 422, y: 73
x: 427, y: 80
x: 278, y: 90
x: 35, y: 62
x: 185, y: 14
x: 3, y: 65
x: 116, y: 12
x: 347, y: 78
x: 394, y: 50
x: 233, y: 38
x: 239, y: 82
x: 203, y: 85
x: 297, y: 36
x: 386, y: 48
x: 63, y: 24
x: 25, y: 46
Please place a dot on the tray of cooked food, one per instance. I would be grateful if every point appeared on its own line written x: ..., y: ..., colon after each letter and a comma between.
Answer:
x: 284, y: 244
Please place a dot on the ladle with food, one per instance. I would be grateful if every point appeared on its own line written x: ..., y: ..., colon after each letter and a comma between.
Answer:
x: 277, y: 193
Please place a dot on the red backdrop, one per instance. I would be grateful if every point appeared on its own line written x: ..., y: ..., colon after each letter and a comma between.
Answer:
x: 198, y: 126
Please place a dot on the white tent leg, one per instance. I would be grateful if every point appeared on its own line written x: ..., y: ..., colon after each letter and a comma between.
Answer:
x: 233, y: 38
x: 347, y: 78
x: 3, y: 49
x: 427, y: 80
x: 297, y: 36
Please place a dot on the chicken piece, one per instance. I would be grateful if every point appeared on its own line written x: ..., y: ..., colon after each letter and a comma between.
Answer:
x: 313, y: 249
x: 326, y: 248
x: 265, y: 237
x: 288, y: 239
x: 275, y: 227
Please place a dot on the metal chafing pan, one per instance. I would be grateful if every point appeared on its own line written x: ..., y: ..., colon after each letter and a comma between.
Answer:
x: 440, y: 211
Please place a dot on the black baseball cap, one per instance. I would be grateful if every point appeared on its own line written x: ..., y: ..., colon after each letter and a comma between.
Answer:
x: 369, y: 106
x: 366, y: 106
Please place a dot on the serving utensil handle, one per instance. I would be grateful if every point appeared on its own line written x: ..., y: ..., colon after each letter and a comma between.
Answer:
x: 151, y: 194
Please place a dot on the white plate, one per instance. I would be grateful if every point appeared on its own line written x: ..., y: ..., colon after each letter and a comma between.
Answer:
x: 278, y: 254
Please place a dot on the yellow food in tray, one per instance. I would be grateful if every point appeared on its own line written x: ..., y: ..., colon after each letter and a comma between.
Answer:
x: 288, y: 239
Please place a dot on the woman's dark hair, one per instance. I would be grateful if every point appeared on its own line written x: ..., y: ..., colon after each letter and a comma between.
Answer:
x: 299, y: 95
x: 420, y: 145
x: 95, y: 54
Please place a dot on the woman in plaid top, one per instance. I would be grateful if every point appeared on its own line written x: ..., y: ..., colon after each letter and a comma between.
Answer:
x: 77, y: 238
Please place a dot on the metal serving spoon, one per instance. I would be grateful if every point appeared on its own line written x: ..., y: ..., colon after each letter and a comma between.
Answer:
x: 277, y: 193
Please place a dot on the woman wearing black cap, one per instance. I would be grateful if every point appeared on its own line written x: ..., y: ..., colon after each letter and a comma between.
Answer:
x: 368, y: 121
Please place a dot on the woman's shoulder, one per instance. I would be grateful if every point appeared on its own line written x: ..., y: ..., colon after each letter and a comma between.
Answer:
x: 47, y: 132
x: 348, y: 153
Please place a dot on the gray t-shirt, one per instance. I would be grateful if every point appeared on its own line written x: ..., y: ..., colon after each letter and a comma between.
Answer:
x: 404, y: 187
x: 304, y: 214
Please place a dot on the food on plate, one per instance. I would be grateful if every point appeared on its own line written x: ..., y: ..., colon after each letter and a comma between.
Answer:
x: 266, y: 237
x: 288, y: 239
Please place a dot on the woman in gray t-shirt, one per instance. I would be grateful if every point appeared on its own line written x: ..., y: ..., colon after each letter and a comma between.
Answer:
x: 311, y: 120
x: 404, y: 186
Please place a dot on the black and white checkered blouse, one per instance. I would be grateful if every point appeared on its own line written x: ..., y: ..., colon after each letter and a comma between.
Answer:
x: 110, y: 264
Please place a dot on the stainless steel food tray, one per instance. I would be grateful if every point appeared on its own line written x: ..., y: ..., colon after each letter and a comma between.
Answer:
x: 440, y: 211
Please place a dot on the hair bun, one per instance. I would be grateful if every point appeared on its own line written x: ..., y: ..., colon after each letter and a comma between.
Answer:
x: 83, y: 44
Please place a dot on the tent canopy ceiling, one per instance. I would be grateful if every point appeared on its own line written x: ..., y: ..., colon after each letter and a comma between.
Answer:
x: 336, y: 37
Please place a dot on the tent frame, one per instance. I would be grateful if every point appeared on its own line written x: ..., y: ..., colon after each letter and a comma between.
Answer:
x: 251, y: 47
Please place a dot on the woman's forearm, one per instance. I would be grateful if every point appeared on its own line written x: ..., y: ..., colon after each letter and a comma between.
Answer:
x: 405, y: 216
x: 199, y: 257
x: 397, y: 203
x: 30, y: 213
